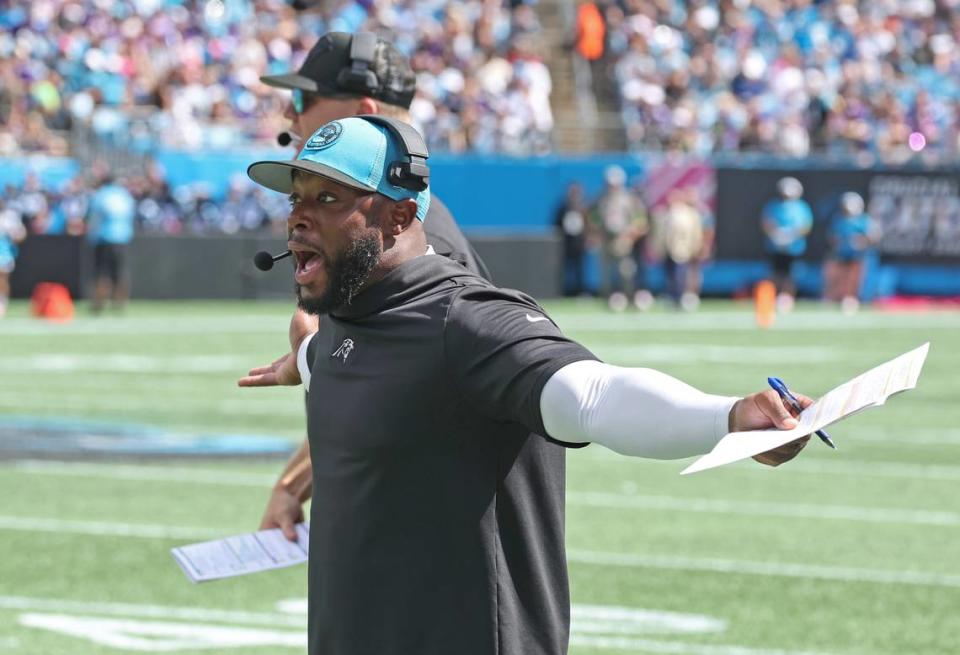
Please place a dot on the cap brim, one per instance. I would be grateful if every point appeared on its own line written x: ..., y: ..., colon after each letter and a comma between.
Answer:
x: 291, y: 81
x: 276, y: 175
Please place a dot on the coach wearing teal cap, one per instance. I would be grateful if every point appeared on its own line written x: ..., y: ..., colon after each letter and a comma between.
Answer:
x: 427, y: 386
x: 356, y: 205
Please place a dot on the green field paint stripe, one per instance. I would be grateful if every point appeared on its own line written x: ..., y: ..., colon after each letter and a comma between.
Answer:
x: 677, y: 647
x: 106, y: 529
x: 150, y: 611
x: 756, y: 508
x: 775, y: 569
x: 145, y: 473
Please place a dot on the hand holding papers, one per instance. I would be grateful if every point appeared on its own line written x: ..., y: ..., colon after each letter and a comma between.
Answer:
x: 242, y: 554
x: 870, y: 389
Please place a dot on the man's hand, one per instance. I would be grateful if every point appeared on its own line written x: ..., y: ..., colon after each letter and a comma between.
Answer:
x: 284, y: 510
x: 281, y: 372
x: 765, y: 410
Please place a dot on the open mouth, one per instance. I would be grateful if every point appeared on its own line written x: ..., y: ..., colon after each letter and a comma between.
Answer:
x: 308, y: 262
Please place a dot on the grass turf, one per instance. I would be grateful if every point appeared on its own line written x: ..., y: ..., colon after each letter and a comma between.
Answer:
x: 846, y: 552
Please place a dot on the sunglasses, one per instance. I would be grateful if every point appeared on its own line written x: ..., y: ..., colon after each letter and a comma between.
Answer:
x: 299, y: 102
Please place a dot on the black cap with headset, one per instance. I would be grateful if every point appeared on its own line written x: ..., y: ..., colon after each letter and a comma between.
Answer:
x: 348, y: 65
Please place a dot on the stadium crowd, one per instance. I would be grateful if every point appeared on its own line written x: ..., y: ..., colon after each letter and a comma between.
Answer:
x: 158, y: 207
x: 784, y: 76
x: 185, y: 73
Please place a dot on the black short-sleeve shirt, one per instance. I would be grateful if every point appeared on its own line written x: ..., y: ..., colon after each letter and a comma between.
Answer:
x: 437, y: 524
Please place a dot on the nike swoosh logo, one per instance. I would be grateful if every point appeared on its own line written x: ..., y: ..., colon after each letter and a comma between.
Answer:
x: 534, y: 319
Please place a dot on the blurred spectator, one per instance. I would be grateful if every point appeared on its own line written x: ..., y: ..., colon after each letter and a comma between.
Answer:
x: 788, y: 76
x: 681, y: 229
x: 110, y: 230
x: 12, y: 232
x: 853, y: 233
x: 186, y: 74
x: 590, y: 31
x: 786, y: 221
x: 621, y: 219
x: 571, y: 223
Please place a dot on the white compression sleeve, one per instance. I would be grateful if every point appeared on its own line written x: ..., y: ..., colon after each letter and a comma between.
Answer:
x: 302, y: 365
x: 634, y: 411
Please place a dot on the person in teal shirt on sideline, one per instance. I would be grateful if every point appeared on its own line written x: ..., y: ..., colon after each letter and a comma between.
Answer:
x: 786, y: 222
x: 12, y: 232
x: 853, y: 234
x: 110, y: 230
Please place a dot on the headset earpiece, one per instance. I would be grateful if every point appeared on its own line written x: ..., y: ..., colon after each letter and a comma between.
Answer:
x: 359, y: 77
x: 412, y: 173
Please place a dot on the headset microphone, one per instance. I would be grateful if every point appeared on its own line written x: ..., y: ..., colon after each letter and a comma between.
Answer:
x: 288, y: 137
x: 264, y: 260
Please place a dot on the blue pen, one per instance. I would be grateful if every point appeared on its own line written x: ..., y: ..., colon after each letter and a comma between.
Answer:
x: 780, y: 387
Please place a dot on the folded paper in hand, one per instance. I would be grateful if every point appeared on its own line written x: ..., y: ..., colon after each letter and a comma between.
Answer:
x: 242, y: 554
x: 870, y: 389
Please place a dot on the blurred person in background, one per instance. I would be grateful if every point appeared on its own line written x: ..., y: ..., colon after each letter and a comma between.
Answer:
x: 571, y: 223
x: 110, y: 229
x: 683, y: 239
x: 621, y: 219
x: 643, y: 299
x: 30, y: 202
x: 853, y: 234
x: 12, y: 232
x: 786, y: 221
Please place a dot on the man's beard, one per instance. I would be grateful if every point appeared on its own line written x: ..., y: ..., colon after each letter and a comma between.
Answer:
x: 346, y: 275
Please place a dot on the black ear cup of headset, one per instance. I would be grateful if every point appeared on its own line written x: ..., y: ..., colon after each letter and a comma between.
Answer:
x: 413, y: 172
x: 359, y: 77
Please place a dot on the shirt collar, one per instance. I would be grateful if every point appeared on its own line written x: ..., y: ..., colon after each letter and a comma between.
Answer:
x: 406, y: 281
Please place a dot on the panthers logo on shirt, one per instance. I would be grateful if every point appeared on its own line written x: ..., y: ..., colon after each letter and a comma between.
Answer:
x: 344, y: 350
x: 325, y: 137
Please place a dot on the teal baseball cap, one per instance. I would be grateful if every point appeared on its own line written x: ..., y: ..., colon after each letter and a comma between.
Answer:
x: 351, y: 151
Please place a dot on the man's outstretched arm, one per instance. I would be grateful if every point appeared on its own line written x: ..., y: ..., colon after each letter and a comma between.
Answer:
x: 646, y: 413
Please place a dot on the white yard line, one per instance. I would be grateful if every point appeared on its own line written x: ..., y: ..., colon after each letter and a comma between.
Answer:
x: 151, y: 611
x: 146, y: 473
x: 597, y: 321
x: 124, y: 402
x: 853, y: 468
x: 847, y: 468
x: 774, y: 569
x: 741, y: 321
x: 713, y: 565
x: 695, y: 353
x: 108, y: 529
x: 121, y: 362
x: 180, y: 475
x: 758, y: 508
x: 675, y: 647
x: 235, y: 324
x: 604, y: 627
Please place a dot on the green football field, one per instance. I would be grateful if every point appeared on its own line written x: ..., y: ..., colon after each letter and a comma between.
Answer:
x: 852, y: 551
